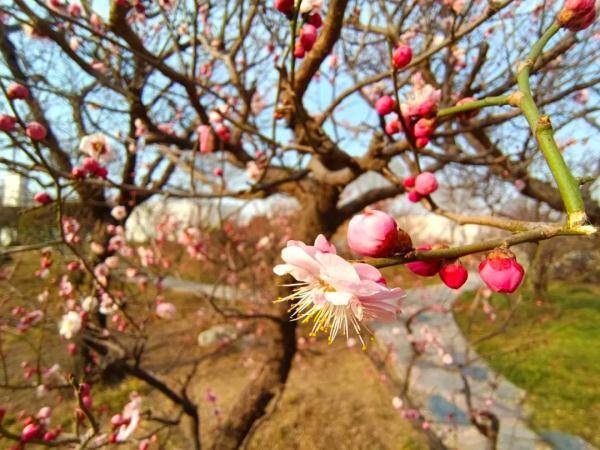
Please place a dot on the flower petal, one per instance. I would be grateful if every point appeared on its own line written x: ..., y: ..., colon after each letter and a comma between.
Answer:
x: 339, y: 298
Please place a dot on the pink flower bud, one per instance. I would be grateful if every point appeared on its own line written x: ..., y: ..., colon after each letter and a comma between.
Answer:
x: 501, y: 271
x: 7, y: 123
x: 17, y: 91
x: 285, y: 6
x: 30, y: 431
x: 144, y: 445
x: 36, y: 131
x: 424, y: 268
x: 42, y: 198
x: 402, y: 56
x: 373, y: 233
x: 385, y: 105
x: 425, y: 183
x: 218, y: 172
x: 414, y: 196
x: 308, y: 36
x: 577, y: 15
x: 409, y: 182
x: 453, y: 274
x: 424, y: 128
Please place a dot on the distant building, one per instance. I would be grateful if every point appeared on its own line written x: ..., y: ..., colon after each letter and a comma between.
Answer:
x: 15, y: 191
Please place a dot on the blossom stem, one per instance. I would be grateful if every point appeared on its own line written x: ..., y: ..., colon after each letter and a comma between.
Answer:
x: 535, y: 235
x: 293, y: 29
x: 499, y: 100
x: 541, y: 127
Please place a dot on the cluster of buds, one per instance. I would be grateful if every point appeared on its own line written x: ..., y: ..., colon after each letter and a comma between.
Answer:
x: 500, y: 270
x: 34, y: 130
x: 37, y: 427
x: 89, y: 167
x: 420, y: 186
x: 452, y: 272
x: 312, y: 21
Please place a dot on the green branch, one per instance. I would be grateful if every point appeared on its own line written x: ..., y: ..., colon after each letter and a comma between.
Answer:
x: 477, y: 104
x: 535, y: 235
x: 541, y: 127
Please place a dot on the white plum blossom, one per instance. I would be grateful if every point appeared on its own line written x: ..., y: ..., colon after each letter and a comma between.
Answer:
x: 96, y: 145
x: 119, y: 212
x: 70, y: 324
x: 130, y: 416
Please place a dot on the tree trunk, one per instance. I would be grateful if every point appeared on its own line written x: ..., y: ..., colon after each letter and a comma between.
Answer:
x: 317, y: 215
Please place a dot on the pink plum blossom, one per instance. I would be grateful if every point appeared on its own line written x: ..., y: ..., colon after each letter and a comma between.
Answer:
x: 166, y: 310
x: 333, y: 292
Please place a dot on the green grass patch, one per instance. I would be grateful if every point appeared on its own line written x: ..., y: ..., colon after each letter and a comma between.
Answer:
x: 550, y: 348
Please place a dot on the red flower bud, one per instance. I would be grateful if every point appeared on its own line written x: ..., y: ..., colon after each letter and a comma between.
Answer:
x: 414, y: 196
x: 315, y: 20
x: 285, y: 6
x: 453, y: 274
x: 392, y: 127
x: 409, y: 182
x: 42, y: 198
x: 299, y: 51
x: 577, y: 15
x: 308, y: 36
x: 7, y: 123
x: 385, y: 105
x: 401, y: 56
x: 424, y: 268
x: 36, y: 131
x: 17, y: 91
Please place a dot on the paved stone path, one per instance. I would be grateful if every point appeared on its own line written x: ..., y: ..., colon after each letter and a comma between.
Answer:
x: 223, y: 292
x: 436, y: 384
